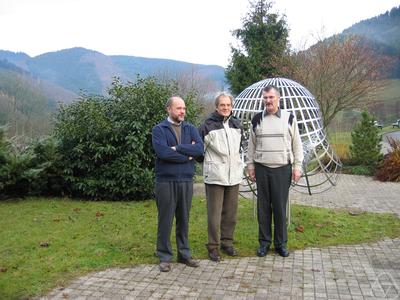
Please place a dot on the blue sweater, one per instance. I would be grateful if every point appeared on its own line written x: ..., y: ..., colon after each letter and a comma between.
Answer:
x: 174, y: 165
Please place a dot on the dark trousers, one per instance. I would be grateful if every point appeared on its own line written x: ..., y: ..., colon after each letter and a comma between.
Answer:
x: 272, y: 194
x: 173, y: 198
x: 222, y: 202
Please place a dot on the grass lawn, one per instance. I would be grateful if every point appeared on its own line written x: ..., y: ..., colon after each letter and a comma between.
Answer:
x: 47, y: 242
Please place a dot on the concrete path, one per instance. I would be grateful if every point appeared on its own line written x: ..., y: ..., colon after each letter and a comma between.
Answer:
x: 365, y: 271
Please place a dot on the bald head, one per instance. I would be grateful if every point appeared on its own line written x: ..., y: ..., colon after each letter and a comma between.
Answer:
x: 176, y: 109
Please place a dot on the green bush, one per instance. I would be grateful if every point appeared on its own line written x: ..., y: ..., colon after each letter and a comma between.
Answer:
x: 106, y: 141
x: 365, y: 149
x: 358, y: 170
x: 47, y: 158
x: 33, y: 170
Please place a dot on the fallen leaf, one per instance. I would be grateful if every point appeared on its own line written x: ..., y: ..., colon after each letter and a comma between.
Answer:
x: 355, y: 211
x: 44, y: 244
x: 327, y: 235
x: 65, y: 295
x: 315, y: 270
x: 77, y: 209
x: 3, y: 270
x: 56, y: 219
x: 319, y: 225
x: 99, y: 214
x: 300, y: 228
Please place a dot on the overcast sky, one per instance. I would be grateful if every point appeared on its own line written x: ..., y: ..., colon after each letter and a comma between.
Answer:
x: 193, y: 31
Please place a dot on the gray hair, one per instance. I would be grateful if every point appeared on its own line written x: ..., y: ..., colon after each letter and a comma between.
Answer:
x: 171, y: 100
x: 272, y: 87
x: 222, y: 94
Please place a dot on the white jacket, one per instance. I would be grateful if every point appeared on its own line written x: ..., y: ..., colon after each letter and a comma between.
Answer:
x: 222, y: 142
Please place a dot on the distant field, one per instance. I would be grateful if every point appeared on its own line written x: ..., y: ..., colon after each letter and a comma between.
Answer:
x: 387, y: 107
x: 392, y: 91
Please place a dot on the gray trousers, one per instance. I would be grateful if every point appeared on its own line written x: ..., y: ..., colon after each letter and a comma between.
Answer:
x: 222, y: 203
x: 173, y: 198
x: 272, y: 194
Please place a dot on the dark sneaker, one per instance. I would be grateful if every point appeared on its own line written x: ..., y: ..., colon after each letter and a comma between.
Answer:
x: 213, y: 254
x: 190, y: 262
x: 164, y: 266
x: 229, y: 250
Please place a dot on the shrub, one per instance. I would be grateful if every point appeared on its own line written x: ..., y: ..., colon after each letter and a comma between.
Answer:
x: 15, y: 173
x: 106, y: 141
x: 365, y: 149
x: 358, y: 170
x: 32, y: 170
x: 47, y: 158
x: 389, y: 169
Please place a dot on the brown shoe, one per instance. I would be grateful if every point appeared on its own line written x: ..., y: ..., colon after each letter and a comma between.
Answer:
x: 213, y: 255
x: 164, y: 266
x: 229, y: 250
x: 190, y: 262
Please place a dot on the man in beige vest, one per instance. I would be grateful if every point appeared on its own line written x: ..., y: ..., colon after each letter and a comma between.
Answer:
x: 275, y: 158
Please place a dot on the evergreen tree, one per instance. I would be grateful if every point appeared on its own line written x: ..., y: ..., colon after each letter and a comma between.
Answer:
x: 366, y: 148
x: 264, y: 40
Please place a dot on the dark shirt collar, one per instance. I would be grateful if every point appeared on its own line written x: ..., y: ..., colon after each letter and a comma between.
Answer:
x: 278, y: 113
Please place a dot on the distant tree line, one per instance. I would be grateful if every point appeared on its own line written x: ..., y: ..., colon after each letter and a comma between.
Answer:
x: 23, y: 107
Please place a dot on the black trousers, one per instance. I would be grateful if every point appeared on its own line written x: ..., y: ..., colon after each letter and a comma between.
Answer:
x: 174, y: 198
x: 272, y: 194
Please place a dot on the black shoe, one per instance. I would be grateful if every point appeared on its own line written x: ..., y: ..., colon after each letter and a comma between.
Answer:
x: 262, y: 251
x: 229, y: 250
x: 213, y: 255
x: 282, y: 251
x: 164, y: 266
x: 190, y: 262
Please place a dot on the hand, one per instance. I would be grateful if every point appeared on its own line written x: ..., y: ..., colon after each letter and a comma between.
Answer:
x: 296, y: 174
x: 252, y: 174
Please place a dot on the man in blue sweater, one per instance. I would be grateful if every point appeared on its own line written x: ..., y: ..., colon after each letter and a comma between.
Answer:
x: 176, y: 144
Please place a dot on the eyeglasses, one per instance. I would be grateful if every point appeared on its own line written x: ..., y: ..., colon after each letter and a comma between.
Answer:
x: 268, y: 97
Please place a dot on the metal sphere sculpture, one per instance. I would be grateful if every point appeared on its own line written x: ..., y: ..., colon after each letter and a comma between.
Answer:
x: 321, y: 164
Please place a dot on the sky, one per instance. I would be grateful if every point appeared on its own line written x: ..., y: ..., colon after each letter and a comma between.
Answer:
x: 194, y: 31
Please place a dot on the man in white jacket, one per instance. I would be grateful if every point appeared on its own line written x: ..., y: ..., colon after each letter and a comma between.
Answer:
x: 275, y: 158
x: 223, y: 171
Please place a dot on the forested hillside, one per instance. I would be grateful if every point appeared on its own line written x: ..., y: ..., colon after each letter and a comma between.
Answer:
x: 27, y: 102
x: 80, y: 69
x: 383, y: 34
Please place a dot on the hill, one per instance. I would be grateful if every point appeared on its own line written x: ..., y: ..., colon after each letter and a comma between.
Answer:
x: 383, y: 34
x: 80, y: 69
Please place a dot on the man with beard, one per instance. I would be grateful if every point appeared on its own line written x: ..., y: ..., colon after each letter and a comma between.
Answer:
x: 176, y: 144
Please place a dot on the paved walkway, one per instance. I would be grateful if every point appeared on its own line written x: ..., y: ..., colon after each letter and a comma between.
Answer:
x: 365, y: 271
x: 356, y: 192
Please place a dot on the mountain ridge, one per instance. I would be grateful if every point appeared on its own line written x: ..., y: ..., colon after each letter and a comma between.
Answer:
x: 78, y: 68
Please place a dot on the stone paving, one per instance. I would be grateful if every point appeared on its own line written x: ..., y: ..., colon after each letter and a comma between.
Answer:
x: 356, y: 192
x: 364, y: 271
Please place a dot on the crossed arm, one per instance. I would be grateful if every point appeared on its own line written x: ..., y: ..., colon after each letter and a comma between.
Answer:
x: 180, y: 153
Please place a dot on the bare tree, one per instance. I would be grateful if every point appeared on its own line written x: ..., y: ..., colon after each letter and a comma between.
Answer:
x: 189, y: 80
x: 340, y: 72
